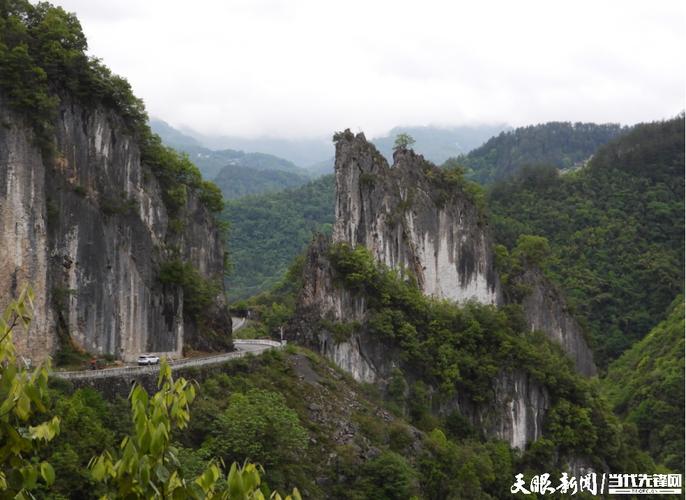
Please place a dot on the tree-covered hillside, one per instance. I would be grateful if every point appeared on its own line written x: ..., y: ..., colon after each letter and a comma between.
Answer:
x: 210, y: 162
x: 646, y: 387
x: 268, y: 231
x: 235, y: 181
x: 616, y: 229
x: 561, y: 144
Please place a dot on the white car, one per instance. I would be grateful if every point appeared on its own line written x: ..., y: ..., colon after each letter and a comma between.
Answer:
x: 148, y: 359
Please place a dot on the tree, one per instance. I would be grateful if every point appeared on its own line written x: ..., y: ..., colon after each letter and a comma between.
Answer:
x: 87, y: 425
x: 258, y: 426
x: 23, y: 397
x: 532, y: 250
x: 388, y: 477
x: 403, y: 141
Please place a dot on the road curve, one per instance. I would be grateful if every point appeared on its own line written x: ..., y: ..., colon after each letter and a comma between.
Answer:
x: 244, y: 347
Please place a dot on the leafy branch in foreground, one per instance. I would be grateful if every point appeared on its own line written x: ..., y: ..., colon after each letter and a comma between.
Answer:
x: 22, y: 399
x: 148, y: 466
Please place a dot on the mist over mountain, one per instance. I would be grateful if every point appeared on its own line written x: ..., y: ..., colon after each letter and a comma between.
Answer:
x: 212, y: 161
x: 391, y: 330
x: 171, y: 136
x: 302, y: 152
x: 437, y: 144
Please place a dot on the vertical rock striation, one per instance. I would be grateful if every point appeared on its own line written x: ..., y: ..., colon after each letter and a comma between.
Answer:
x: 409, y: 221
x: 88, y: 229
x: 23, y: 234
x: 545, y: 310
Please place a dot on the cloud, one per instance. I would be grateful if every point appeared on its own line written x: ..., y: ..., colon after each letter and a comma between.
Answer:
x: 297, y: 68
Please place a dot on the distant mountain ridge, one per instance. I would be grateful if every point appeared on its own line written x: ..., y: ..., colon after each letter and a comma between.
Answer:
x: 210, y: 161
x: 171, y: 136
x: 435, y: 143
x: 301, y: 152
x: 236, y: 181
x: 559, y: 144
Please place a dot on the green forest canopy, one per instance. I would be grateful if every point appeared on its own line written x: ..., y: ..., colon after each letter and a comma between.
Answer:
x: 615, y: 227
x: 560, y: 144
x: 237, y: 181
x: 268, y: 231
x: 646, y: 387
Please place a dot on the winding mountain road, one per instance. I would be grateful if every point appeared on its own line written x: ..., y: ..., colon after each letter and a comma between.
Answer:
x: 243, y: 347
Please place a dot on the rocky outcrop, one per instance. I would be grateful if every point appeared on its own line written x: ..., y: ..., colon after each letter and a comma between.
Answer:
x: 515, y: 409
x: 321, y: 303
x: 416, y: 219
x: 88, y: 230
x: 410, y: 221
x: 545, y: 310
x: 515, y: 412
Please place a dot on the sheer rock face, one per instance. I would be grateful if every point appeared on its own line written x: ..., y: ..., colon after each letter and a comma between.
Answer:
x: 404, y: 218
x: 322, y: 301
x: 411, y: 223
x: 516, y: 412
x: 517, y: 403
x: 88, y: 231
x: 545, y: 310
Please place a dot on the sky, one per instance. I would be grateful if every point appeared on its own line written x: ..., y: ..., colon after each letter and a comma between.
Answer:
x: 306, y: 68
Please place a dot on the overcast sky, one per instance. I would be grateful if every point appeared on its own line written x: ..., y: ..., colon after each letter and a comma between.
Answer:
x: 301, y: 68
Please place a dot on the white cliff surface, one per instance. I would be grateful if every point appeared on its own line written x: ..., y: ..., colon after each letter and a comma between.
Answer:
x: 88, y: 230
x: 398, y: 213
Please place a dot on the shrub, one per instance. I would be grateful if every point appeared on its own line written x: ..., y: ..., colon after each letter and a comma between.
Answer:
x: 257, y: 425
x: 198, y: 292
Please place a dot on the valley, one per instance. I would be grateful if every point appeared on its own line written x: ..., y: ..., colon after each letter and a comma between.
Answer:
x: 431, y: 312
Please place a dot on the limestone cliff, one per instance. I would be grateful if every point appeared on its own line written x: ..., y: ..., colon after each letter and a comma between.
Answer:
x: 516, y: 405
x: 410, y: 221
x: 545, y: 310
x: 414, y: 218
x: 88, y: 229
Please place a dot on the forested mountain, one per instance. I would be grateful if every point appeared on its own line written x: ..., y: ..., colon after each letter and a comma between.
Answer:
x: 646, y: 387
x: 321, y: 167
x: 560, y: 144
x: 210, y: 161
x: 268, y: 231
x: 172, y: 137
x: 437, y: 144
x: 301, y: 152
x: 236, y: 181
x: 615, y: 227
